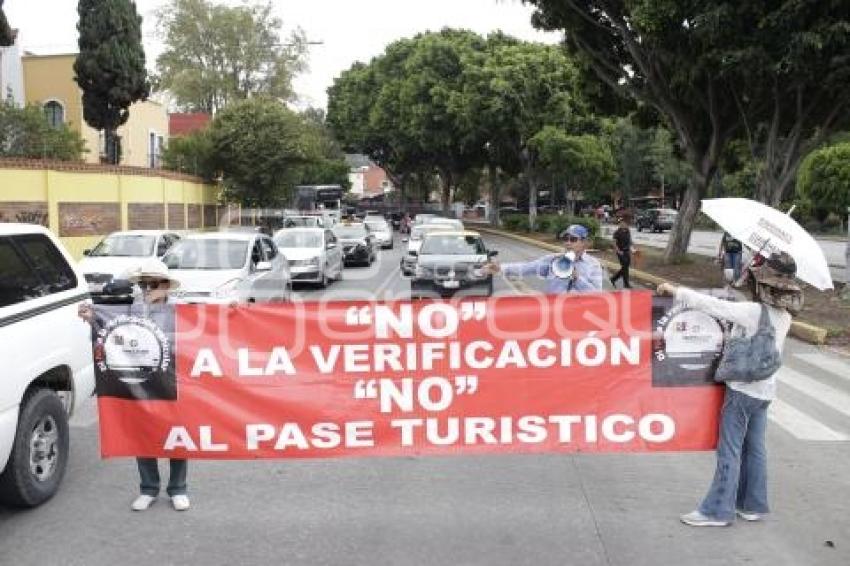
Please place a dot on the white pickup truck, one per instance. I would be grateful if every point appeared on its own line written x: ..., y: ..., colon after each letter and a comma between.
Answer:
x: 46, y: 357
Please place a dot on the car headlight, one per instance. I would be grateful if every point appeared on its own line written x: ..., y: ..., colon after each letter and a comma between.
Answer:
x: 227, y: 290
x: 314, y: 261
x: 478, y: 272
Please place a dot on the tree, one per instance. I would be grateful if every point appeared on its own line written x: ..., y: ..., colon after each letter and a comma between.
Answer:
x: 25, y: 132
x: 216, y: 54
x: 710, y: 67
x: 192, y: 154
x: 584, y: 161
x: 796, y: 67
x: 110, y: 68
x: 327, y: 165
x: 6, y: 38
x: 824, y: 178
x: 260, y: 147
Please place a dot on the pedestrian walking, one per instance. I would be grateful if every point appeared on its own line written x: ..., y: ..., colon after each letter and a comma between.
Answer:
x: 623, y: 248
x: 155, y: 283
x: 585, y: 271
x: 739, y: 486
x: 730, y: 254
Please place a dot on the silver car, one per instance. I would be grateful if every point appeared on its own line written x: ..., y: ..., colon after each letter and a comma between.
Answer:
x: 229, y: 268
x: 314, y: 254
x: 382, y: 231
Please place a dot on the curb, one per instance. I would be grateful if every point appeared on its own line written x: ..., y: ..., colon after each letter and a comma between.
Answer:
x: 800, y: 330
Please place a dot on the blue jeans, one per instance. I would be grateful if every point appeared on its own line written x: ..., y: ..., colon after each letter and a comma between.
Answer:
x: 740, y: 480
x: 149, y: 474
x: 733, y: 261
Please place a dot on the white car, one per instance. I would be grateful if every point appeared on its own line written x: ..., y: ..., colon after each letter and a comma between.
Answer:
x: 121, y: 252
x: 446, y: 223
x: 417, y: 233
x: 314, y: 254
x: 46, y: 350
x: 228, y: 268
x: 382, y: 231
x: 303, y: 221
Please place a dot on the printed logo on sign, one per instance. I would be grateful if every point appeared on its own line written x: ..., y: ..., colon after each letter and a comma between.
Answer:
x: 687, y: 345
x: 134, y: 359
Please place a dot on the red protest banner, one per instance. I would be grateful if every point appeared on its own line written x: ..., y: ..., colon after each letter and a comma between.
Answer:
x: 528, y: 374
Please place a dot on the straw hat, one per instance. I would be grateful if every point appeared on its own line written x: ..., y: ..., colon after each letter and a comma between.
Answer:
x: 153, y: 269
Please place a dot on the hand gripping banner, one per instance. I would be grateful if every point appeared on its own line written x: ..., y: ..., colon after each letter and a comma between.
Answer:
x: 607, y: 372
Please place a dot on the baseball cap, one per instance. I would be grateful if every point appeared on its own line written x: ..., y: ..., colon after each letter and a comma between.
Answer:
x: 575, y: 230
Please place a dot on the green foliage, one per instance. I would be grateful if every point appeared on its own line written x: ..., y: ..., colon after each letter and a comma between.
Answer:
x: 585, y: 161
x: 192, y: 154
x: 824, y: 179
x: 262, y: 150
x: 516, y: 223
x: 25, y: 132
x: 216, y: 54
x: 110, y: 68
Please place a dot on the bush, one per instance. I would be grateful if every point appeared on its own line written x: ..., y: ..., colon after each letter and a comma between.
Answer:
x: 516, y: 223
x: 25, y: 132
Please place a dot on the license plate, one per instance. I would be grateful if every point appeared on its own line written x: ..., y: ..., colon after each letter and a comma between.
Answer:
x: 451, y: 284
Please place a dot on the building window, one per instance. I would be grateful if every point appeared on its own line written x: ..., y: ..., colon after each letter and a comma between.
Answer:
x: 55, y: 114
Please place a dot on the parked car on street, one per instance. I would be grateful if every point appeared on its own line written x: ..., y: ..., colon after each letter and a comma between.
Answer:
x: 451, y: 263
x: 382, y: 231
x: 314, y: 254
x: 656, y: 219
x: 395, y: 220
x: 358, y: 243
x: 422, y: 218
x: 119, y: 253
x: 229, y: 268
x: 47, y: 359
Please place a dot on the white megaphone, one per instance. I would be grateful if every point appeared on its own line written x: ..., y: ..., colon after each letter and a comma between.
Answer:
x: 564, y: 265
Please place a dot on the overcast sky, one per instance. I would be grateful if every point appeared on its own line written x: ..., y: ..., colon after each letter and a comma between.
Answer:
x: 352, y: 30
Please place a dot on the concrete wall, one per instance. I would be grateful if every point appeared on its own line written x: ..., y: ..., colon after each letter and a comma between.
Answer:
x: 81, y: 204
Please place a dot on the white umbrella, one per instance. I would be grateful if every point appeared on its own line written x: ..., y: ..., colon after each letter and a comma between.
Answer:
x: 768, y: 230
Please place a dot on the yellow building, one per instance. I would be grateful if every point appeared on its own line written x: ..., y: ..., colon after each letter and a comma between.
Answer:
x: 49, y: 82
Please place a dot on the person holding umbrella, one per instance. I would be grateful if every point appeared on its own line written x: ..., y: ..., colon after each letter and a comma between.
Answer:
x: 739, y: 486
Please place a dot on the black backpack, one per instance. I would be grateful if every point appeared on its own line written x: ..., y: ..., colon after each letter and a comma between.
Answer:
x: 733, y: 246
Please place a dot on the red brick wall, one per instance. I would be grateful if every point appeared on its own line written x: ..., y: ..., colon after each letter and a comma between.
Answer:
x: 89, y: 218
x: 29, y: 212
x: 176, y: 216
x: 194, y: 216
x: 145, y: 216
x: 373, y: 179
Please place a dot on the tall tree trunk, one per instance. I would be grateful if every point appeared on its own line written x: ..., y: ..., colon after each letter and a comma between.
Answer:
x: 495, y: 194
x: 680, y: 234
x: 448, y: 179
x: 532, y: 202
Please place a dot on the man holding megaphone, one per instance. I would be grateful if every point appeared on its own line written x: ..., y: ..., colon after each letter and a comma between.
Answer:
x: 572, y: 271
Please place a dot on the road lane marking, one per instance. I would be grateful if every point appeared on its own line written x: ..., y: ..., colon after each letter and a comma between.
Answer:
x: 829, y: 396
x: 800, y: 425
x: 830, y: 365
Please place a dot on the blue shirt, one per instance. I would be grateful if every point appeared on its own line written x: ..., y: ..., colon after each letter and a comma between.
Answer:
x: 588, y: 270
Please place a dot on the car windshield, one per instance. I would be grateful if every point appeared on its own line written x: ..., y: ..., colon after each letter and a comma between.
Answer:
x: 377, y: 226
x: 298, y: 239
x: 419, y: 231
x: 125, y: 245
x: 421, y: 218
x: 351, y: 231
x: 207, y: 254
x: 453, y: 245
x: 446, y: 224
x: 302, y: 221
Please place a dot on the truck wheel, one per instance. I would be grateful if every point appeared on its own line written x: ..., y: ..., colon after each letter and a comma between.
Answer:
x: 39, y: 454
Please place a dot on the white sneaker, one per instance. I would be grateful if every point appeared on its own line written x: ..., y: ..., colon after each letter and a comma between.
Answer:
x: 747, y: 516
x: 142, y: 502
x: 180, y: 502
x: 697, y: 519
